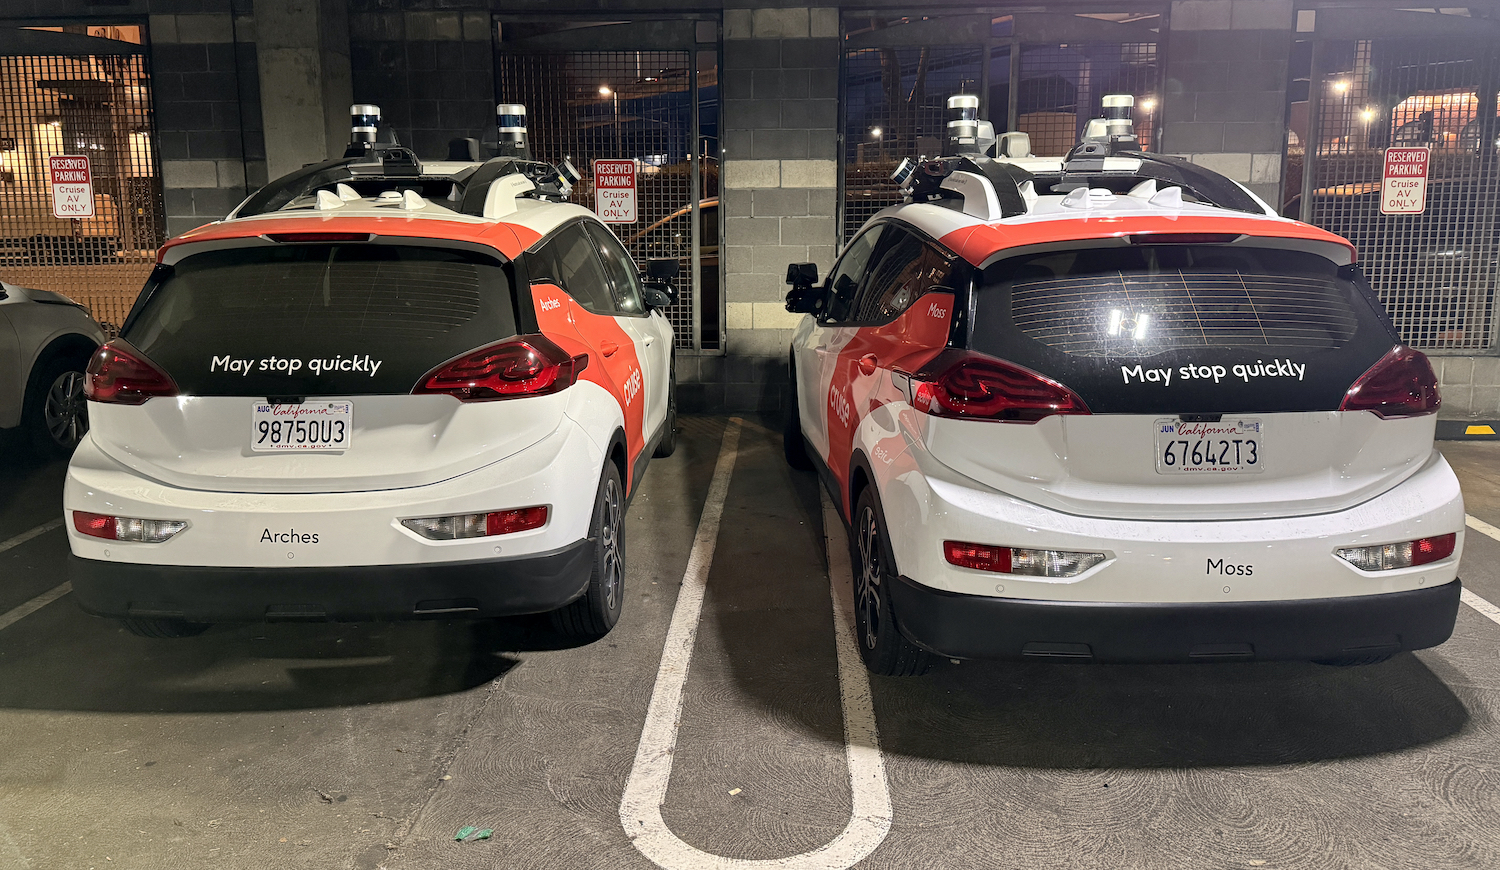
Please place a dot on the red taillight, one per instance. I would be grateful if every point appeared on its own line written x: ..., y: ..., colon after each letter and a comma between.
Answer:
x: 1426, y: 550
x: 94, y: 525
x: 973, y: 386
x: 1402, y: 384
x: 318, y: 237
x: 527, y: 366
x: 119, y: 374
x: 1183, y: 238
x: 510, y: 522
x: 980, y: 556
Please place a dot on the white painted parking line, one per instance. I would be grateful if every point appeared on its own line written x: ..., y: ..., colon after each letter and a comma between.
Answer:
x: 1489, y: 610
x: 640, y: 809
x: 22, y: 538
x: 14, y: 616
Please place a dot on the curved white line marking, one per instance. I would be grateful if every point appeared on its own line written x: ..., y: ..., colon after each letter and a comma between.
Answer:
x: 640, y: 809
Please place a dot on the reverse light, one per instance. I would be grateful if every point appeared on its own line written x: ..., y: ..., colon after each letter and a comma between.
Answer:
x: 1401, y: 384
x: 1019, y: 560
x: 125, y: 528
x: 972, y: 386
x: 527, y: 366
x: 462, y: 526
x: 1407, y: 554
x: 119, y: 374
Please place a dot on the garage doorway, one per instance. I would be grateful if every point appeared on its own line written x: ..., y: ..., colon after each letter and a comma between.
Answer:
x: 645, y: 91
x: 79, y: 90
x: 1406, y: 79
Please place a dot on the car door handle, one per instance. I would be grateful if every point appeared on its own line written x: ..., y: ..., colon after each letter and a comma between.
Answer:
x: 608, y: 348
x: 867, y: 364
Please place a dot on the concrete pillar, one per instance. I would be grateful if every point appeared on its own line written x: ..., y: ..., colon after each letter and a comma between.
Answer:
x: 305, y: 87
x: 1225, y: 102
x: 780, y: 185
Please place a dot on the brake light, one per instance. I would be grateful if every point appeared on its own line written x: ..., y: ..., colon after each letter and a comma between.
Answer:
x: 1407, y: 554
x: 319, y: 237
x: 1184, y: 238
x: 462, y: 526
x: 527, y: 366
x: 1401, y: 384
x: 125, y: 528
x: 969, y: 385
x: 119, y: 374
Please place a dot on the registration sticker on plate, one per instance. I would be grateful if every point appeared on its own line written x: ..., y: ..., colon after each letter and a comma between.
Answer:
x: 308, y: 426
x: 1231, y: 446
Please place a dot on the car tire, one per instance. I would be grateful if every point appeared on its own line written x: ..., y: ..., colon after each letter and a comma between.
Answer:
x: 163, y: 628
x: 595, y: 612
x: 886, y: 652
x: 668, y: 443
x: 56, y: 412
x: 793, y: 442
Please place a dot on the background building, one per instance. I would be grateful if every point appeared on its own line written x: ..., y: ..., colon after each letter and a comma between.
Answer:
x: 763, y: 134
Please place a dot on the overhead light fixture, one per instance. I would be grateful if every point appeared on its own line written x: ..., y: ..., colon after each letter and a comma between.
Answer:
x: 604, y: 91
x: 1341, y: 85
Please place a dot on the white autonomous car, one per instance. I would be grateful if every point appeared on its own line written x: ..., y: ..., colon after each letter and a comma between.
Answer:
x: 1113, y: 408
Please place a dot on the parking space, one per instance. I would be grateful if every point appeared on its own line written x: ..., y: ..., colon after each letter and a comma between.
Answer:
x: 370, y: 745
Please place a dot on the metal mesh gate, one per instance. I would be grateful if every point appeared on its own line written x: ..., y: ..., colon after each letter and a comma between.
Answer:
x: 640, y: 105
x: 1062, y: 86
x: 99, y: 106
x: 1436, y: 271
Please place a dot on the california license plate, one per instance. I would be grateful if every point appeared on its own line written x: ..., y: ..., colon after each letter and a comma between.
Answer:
x: 308, y: 426
x: 1231, y: 446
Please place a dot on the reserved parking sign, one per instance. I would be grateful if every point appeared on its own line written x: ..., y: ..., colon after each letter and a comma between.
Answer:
x: 1403, y: 184
x: 614, y: 191
x: 72, y: 186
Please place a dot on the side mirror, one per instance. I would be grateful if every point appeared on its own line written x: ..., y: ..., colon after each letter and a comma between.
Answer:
x: 803, y: 298
x: 658, y: 277
x: 802, y: 275
x: 655, y: 298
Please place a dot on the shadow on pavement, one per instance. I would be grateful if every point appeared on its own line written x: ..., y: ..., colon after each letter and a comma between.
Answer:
x: 63, y: 659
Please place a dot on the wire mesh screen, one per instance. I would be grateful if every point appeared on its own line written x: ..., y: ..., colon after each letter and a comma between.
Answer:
x: 1063, y: 86
x: 1434, y: 271
x: 98, y: 106
x: 895, y: 103
x: 637, y: 105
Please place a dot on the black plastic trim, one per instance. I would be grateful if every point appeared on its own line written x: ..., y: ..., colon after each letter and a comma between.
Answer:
x: 497, y: 587
x: 977, y: 626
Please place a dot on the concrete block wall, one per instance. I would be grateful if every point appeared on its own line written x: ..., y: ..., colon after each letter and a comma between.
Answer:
x: 1469, y: 385
x: 1226, y: 81
x: 780, y: 116
x: 431, y: 72
x: 207, y: 115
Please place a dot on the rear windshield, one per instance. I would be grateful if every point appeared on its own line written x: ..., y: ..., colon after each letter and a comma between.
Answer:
x: 299, y: 320
x: 1184, y: 328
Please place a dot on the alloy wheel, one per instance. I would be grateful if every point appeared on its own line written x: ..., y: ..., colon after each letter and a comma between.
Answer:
x: 868, y: 578
x: 65, y: 410
x: 609, y: 539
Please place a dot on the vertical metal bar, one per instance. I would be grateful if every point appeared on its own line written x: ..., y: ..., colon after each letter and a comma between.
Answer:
x: 1013, y: 121
x: 1314, y: 131
x: 695, y: 193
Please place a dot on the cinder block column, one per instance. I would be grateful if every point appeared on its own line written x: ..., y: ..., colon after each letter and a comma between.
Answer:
x: 206, y: 116
x: 1225, y: 101
x: 303, y: 55
x: 780, y: 111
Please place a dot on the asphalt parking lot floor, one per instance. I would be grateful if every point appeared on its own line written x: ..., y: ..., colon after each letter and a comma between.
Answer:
x: 719, y: 725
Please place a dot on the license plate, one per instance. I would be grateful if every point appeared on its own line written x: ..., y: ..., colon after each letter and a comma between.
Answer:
x: 1231, y: 446
x: 308, y: 426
